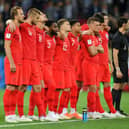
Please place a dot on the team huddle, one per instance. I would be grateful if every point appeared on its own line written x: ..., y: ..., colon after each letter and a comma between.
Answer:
x: 56, y: 59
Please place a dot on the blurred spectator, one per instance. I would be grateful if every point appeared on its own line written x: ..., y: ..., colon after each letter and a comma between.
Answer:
x: 74, y: 9
x: 1, y: 6
x: 1, y: 35
x: 68, y: 9
x: 104, y: 8
x: 94, y: 8
x: 6, y: 12
x: 50, y: 11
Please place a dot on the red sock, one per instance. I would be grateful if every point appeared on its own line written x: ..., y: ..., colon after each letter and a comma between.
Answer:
x: 51, y: 97
x: 63, y: 101
x: 99, y: 107
x: 73, y: 97
x: 56, y: 100
x: 108, y: 98
x: 20, y: 103
x: 31, y: 104
x: 6, y: 101
x: 45, y: 99
x: 78, y: 92
x: 91, y: 101
x: 13, y: 102
x: 38, y: 101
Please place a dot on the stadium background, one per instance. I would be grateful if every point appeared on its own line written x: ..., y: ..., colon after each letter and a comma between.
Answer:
x: 56, y: 9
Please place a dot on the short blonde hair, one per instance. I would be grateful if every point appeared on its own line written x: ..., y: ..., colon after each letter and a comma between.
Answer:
x: 33, y: 11
x: 14, y: 11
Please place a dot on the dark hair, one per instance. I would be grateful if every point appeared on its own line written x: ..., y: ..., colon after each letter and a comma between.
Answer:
x: 61, y: 22
x: 121, y: 21
x: 104, y: 14
x: 100, y: 17
x: 92, y: 19
x: 14, y: 11
x: 73, y: 21
x: 50, y: 22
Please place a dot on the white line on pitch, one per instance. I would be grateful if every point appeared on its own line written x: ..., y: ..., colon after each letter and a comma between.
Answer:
x: 44, y: 123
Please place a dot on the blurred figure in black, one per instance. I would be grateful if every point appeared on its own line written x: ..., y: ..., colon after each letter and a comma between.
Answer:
x: 120, y: 62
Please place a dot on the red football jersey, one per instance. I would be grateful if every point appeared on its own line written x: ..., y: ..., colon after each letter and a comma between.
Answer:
x: 74, y: 46
x: 49, y: 51
x: 62, y: 54
x: 89, y: 40
x: 16, y: 44
x: 40, y: 41
x: 103, y: 57
x: 28, y: 34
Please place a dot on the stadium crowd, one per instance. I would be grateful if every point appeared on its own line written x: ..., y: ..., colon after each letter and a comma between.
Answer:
x: 56, y: 9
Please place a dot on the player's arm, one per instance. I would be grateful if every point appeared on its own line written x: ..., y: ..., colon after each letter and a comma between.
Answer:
x: 92, y: 49
x: 110, y: 61
x: 116, y: 63
x: 9, y: 55
x: 12, y: 26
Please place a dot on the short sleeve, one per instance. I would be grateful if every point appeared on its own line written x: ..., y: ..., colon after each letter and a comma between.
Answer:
x: 8, y: 35
x: 116, y: 42
x: 87, y: 41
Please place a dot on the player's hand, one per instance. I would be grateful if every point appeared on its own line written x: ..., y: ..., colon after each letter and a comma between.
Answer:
x: 12, y: 27
x: 119, y: 74
x: 13, y: 67
x: 112, y: 68
x: 100, y: 49
x: 62, y: 35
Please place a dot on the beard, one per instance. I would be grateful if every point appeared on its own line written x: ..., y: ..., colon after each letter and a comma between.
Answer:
x: 53, y: 33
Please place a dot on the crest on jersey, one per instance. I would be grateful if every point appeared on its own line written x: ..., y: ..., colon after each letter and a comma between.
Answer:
x: 29, y: 32
x: 8, y: 36
x: 65, y: 46
x: 40, y: 38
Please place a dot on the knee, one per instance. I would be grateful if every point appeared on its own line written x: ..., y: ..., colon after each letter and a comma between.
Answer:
x: 37, y: 88
x: 11, y: 88
x: 92, y: 88
x: 22, y: 88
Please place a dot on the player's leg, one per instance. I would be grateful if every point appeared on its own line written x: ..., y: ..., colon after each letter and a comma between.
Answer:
x: 35, y: 82
x: 12, y: 81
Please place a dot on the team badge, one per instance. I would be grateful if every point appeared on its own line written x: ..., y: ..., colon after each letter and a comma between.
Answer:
x: 29, y: 32
x: 65, y: 46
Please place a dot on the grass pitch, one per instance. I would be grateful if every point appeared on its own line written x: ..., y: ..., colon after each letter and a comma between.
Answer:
x: 118, y: 123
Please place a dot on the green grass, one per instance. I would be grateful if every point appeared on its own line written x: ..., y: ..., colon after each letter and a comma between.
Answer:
x: 91, y: 124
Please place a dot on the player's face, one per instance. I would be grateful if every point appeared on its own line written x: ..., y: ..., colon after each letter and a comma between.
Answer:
x: 106, y: 20
x: 77, y: 27
x: 96, y: 26
x: 127, y: 26
x: 54, y: 28
x: 20, y: 16
x: 66, y: 26
x: 36, y: 19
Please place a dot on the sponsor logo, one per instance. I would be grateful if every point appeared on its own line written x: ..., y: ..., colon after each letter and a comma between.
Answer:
x: 8, y: 35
